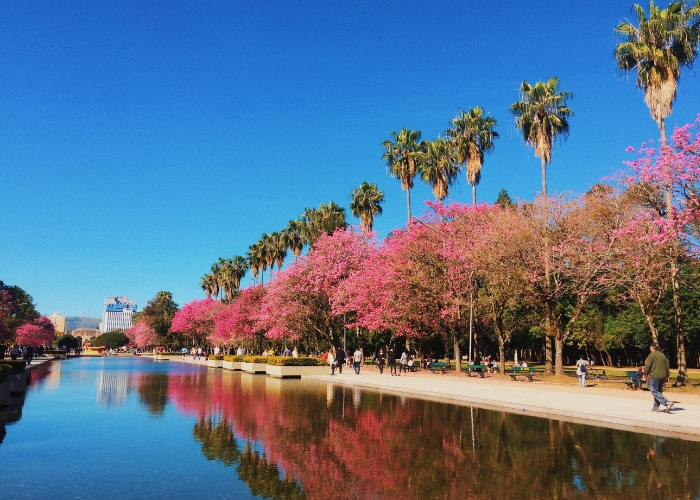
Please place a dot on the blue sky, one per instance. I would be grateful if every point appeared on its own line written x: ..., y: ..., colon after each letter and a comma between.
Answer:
x: 140, y: 141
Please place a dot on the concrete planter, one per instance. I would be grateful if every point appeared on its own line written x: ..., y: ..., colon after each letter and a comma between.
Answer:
x: 254, y: 367
x: 215, y: 363
x: 232, y: 365
x: 159, y: 356
x: 296, y: 371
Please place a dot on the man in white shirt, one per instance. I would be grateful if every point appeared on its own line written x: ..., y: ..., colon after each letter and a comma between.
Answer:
x: 357, y: 358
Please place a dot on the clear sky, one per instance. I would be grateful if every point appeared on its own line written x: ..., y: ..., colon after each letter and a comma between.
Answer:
x: 142, y: 140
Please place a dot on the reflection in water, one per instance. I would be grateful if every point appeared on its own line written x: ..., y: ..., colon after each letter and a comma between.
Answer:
x: 11, y: 412
x: 397, y: 447
x: 152, y: 389
x: 112, y: 387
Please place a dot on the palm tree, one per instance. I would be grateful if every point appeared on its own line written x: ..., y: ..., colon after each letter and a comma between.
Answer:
x: 657, y: 49
x: 542, y: 114
x: 295, y: 237
x: 256, y: 260
x: 322, y: 220
x: 366, y: 203
x: 438, y: 167
x: 472, y: 135
x: 210, y: 285
x: 401, y: 159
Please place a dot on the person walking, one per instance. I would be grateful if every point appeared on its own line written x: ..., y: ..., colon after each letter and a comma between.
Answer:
x: 657, y: 371
x: 581, y: 371
x: 331, y: 361
x: 392, y: 362
x: 340, y: 359
x: 357, y: 358
x: 404, y: 363
x: 380, y: 361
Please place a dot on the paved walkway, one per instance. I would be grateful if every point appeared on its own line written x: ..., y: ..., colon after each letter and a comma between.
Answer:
x: 615, y: 408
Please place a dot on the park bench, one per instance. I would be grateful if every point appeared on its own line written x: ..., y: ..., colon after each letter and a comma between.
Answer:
x: 437, y: 367
x: 519, y: 370
x: 479, y: 369
x: 413, y: 367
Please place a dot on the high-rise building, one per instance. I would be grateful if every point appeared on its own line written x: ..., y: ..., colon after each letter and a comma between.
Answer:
x: 117, y: 314
x: 59, y: 322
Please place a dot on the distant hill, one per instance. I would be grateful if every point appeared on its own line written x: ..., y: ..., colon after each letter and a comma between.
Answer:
x: 73, y: 322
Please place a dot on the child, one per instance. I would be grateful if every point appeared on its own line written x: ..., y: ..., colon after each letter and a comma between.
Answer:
x: 637, y: 380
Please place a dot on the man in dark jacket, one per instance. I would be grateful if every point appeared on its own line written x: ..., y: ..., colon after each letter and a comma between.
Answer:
x: 657, y: 371
x: 340, y: 358
x: 391, y: 359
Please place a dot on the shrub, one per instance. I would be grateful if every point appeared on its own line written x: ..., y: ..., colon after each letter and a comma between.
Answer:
x: 17, y: 365
x: 234, y: 357
x: 290, y: 361
x: 5, y: 371
x: 256, y: 359
x: 216, y: 357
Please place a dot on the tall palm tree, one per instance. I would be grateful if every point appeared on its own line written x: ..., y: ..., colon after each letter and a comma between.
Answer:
x: 401, y: 159
x: 657, y: 48
x: 366, y: 203
x: 295, y: 237
x: 438, y: 167
x: 542, y: 114
x: 472, y: 135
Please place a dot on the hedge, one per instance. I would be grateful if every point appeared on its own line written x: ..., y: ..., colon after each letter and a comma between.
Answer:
x: 215, y: 357
x: 236, y: 358
x: 5, y: 371
x: 291, y: 361
x: 17, y: 365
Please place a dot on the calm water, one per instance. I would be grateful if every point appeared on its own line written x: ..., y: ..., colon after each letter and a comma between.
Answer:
x: 133, y: 428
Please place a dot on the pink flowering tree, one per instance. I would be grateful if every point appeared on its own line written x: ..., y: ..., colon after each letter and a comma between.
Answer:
x: 40, y: 332
x: 299, y: 301
x: 141, y: 335
x: 668, y: 180
x: 238, y: 322
x: 196, y: 320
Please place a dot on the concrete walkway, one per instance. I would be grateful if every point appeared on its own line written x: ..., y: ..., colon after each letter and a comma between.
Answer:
x: 614, y: 408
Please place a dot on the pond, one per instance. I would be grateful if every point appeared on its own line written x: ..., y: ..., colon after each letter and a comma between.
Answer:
x: 134, y: 428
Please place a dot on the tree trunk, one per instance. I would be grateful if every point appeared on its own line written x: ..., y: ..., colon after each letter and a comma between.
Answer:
x: 682, y: 377
x: 474, y: 194
x: 559, y: 355
x: 408, y: 203
x: 547, y: 277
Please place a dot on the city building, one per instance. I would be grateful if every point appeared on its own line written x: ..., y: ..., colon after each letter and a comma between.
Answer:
x: 117, y: 314
x: 59, y: 322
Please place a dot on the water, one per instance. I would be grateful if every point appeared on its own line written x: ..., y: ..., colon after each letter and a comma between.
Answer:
x: 133, y: 428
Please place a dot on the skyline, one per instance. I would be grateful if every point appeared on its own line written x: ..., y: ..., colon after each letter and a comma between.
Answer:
x: 157, y: 138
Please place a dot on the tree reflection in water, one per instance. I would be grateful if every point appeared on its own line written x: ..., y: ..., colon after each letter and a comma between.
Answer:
x: 152, y: 389
x: 385, y: 449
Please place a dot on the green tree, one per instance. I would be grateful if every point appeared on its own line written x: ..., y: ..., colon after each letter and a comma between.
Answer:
x: 542, y: 115
x: 159, y: 313
x: 113, y: 339
x: 504, y: 199
x: 472, y: 135
x: 402, y: 160
x: 366, y: 203
x: 69, y: 341
x: 438, y: 167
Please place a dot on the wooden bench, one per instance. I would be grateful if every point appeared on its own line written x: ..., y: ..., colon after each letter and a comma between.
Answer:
x: 519, y: 370
x: 437, y: 367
